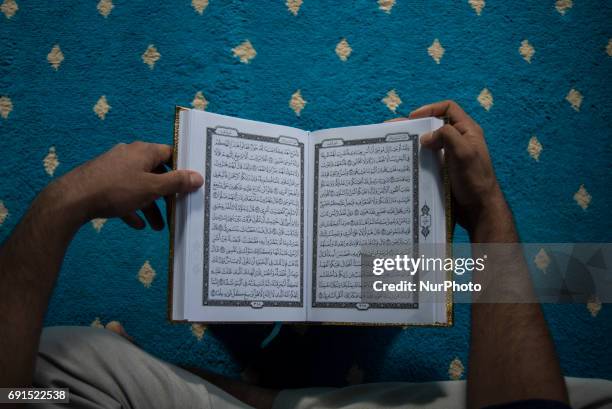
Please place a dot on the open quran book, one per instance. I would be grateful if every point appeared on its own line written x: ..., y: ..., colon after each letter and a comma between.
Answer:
x: 275, y: 233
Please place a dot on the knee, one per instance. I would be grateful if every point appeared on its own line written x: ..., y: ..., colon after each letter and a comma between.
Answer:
x: 83, y: 359
x: 88, y: 361
x: 76, y: 341
x: 66, y: 351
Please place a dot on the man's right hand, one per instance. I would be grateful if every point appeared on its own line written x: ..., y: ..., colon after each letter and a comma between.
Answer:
x: 477, y: 196
x: 122, y: 181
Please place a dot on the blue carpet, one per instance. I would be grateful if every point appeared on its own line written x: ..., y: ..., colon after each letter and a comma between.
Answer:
x: 46, y: 106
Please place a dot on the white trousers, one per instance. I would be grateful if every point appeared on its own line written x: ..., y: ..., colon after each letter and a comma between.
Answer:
x: 103, y: 370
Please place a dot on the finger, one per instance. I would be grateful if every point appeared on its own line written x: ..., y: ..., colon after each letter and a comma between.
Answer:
x: 165, y: 151
x: 134, y: 221
x: 444, y: 108
x: 153, y: 216
x: 470, y: 127
x: 446, y: 137
x: 402, y: 118
x: 160, y: 153
x: 178, y: 181
x: 151, y: 155
x: 462, y: 127
x: 117, y: 328
x: 160, y: 169
x: 170, y: 161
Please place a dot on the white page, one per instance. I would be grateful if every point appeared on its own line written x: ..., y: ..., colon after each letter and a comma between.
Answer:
x: 247, y: 225
x: 348, y: 212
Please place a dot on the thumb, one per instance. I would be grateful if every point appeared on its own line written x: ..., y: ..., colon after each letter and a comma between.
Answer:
x: 179, y: 181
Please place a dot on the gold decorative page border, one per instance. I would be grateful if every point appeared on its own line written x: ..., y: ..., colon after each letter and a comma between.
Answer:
x: 449, y: 240
x: 171, y: 222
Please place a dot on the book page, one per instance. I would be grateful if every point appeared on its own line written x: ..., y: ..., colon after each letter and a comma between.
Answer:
x: 366, y: 197
x: 251, y: 263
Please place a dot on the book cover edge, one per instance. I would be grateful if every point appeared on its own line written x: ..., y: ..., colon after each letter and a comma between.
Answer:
x: 171, y: 221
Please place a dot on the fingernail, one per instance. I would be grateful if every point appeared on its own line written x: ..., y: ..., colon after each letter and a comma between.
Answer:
x: 426, y: 138
x: 195, y: 179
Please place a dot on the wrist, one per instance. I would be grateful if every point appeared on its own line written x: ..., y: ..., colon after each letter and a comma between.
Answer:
x: 493, y: 221
x: 494, y: 206
x: 62, y: 202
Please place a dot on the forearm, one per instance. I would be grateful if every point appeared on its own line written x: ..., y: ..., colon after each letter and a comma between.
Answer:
x: 29, y: 262
x: 493, y: 222
x: 512, y: 355
x: 118, y: 183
